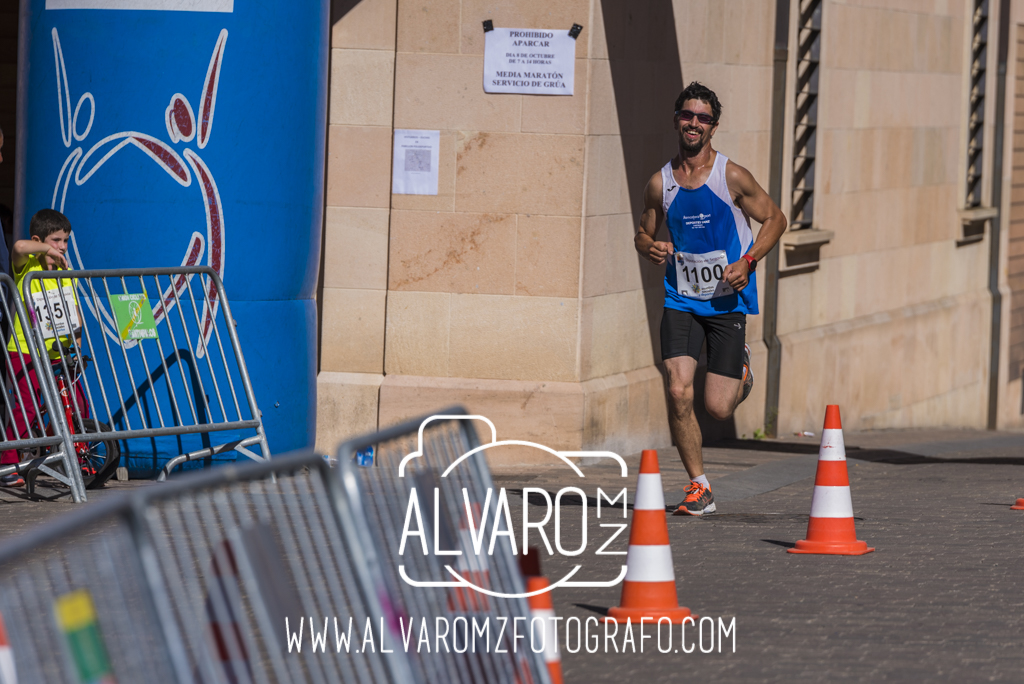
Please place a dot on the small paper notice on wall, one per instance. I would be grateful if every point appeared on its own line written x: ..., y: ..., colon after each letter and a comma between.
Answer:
x: 414, y: 168
x: 529, y: 61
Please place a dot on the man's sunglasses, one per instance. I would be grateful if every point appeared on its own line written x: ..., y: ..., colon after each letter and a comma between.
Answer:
x: 686, y: 115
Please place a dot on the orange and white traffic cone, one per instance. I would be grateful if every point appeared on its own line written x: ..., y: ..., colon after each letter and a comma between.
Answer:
x: 542, y: 607
x: 473, y: 568
x: 831, y: 529
x: 223, y: 608
x: 649, y: 589
x: 8, y: 673
x: 1019, y: 506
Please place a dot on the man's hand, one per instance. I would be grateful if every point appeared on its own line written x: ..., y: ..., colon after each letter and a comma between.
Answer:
x: 737, y: 274
x: 658, y: 252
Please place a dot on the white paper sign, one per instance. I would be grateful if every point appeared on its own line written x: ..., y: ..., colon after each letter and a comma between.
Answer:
x: 529, y: 61
x: 414, y: 167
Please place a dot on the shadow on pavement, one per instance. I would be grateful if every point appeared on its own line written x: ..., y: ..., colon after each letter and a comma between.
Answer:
x: 600, y: 610
x: 754, y: 518
x: 904, y: 458
x: 776, y: 447
x: 537, y: 499
x: 890, y: 456
x: 43, y: 492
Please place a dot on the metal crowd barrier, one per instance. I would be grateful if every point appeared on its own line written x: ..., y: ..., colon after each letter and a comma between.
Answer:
x: 33, y: 421
x: 192, y: 582
x: 383, y: 496
x: 159, y: 367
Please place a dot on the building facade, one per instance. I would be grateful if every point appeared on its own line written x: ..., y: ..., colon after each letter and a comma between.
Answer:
x: 516, y: 290
x: 886, y: 129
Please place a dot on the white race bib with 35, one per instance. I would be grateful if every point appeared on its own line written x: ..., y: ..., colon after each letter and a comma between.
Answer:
x: 56, y: 314
x: 699, y: 276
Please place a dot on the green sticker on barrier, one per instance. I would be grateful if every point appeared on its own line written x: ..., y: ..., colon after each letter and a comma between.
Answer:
x: 76, y: 616
x: 134, y: 316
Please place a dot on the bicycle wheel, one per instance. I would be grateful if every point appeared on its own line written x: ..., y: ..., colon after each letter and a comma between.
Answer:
x: 103, y: 457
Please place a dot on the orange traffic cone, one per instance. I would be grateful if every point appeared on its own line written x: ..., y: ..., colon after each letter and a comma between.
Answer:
x: 1019, y: 506
x: 223, y: 606
x: 649, y: 589
x: 8, y: 674
x: 542, y: 607
x: 474, y: 568
x: 830, y: 529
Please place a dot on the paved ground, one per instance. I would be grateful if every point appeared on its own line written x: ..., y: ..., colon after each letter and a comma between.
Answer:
x: 941, y: 598
x: 20, y: 512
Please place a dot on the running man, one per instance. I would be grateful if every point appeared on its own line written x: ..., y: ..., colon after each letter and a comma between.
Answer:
x: 706, y: 202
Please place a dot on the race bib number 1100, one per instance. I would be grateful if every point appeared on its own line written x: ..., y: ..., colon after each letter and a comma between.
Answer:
x: 699, y: 276
x: 57, y: 315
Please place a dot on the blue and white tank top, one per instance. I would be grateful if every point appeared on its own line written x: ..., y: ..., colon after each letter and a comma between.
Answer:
x: 705, y: 220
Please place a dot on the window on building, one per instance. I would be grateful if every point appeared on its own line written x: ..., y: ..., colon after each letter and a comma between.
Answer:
x: 976, y: 111
x: 805, y: 121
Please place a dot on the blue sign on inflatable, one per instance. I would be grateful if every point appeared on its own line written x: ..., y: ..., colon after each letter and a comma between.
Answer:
x: 189, y: 132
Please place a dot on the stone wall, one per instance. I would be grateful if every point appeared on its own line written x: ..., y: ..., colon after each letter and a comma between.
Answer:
x: 516, y: 290
x: 357, y: 218
x: 893, y: 326
x: 1011, y: 272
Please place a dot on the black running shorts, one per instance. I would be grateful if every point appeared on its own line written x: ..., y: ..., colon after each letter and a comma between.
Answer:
x: 683, y: 334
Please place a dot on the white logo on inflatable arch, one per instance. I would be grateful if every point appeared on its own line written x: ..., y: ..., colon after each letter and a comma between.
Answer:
x: 182, y: 126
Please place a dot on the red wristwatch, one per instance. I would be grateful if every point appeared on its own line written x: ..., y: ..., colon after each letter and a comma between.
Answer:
x: 751, y: 262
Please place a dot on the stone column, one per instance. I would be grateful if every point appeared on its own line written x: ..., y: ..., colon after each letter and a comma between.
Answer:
x: 354, y: 273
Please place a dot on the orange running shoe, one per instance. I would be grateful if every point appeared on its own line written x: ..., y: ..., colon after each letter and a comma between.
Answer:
x: 698, y: 501
x: 12, y: 480
x: 748, y: 377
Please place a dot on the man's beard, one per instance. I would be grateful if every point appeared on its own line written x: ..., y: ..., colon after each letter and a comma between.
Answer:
x: 694, y: 146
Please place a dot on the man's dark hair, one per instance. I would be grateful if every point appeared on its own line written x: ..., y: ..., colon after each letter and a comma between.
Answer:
x: 46, y: 222
x: 699, y: 91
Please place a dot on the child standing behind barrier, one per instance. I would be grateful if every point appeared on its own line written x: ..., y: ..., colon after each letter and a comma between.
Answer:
x: 44, y: 251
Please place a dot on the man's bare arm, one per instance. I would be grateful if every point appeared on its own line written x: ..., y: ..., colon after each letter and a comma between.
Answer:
x: 654, y: 251
x: 753, y: 200
x: 758, y: 206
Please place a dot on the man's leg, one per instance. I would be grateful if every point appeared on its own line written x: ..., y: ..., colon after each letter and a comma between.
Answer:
x: 686, y: 433
x: 681, y: 419
x: 682, y: 336
x: 723, y: 386
x: 722, y: 395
